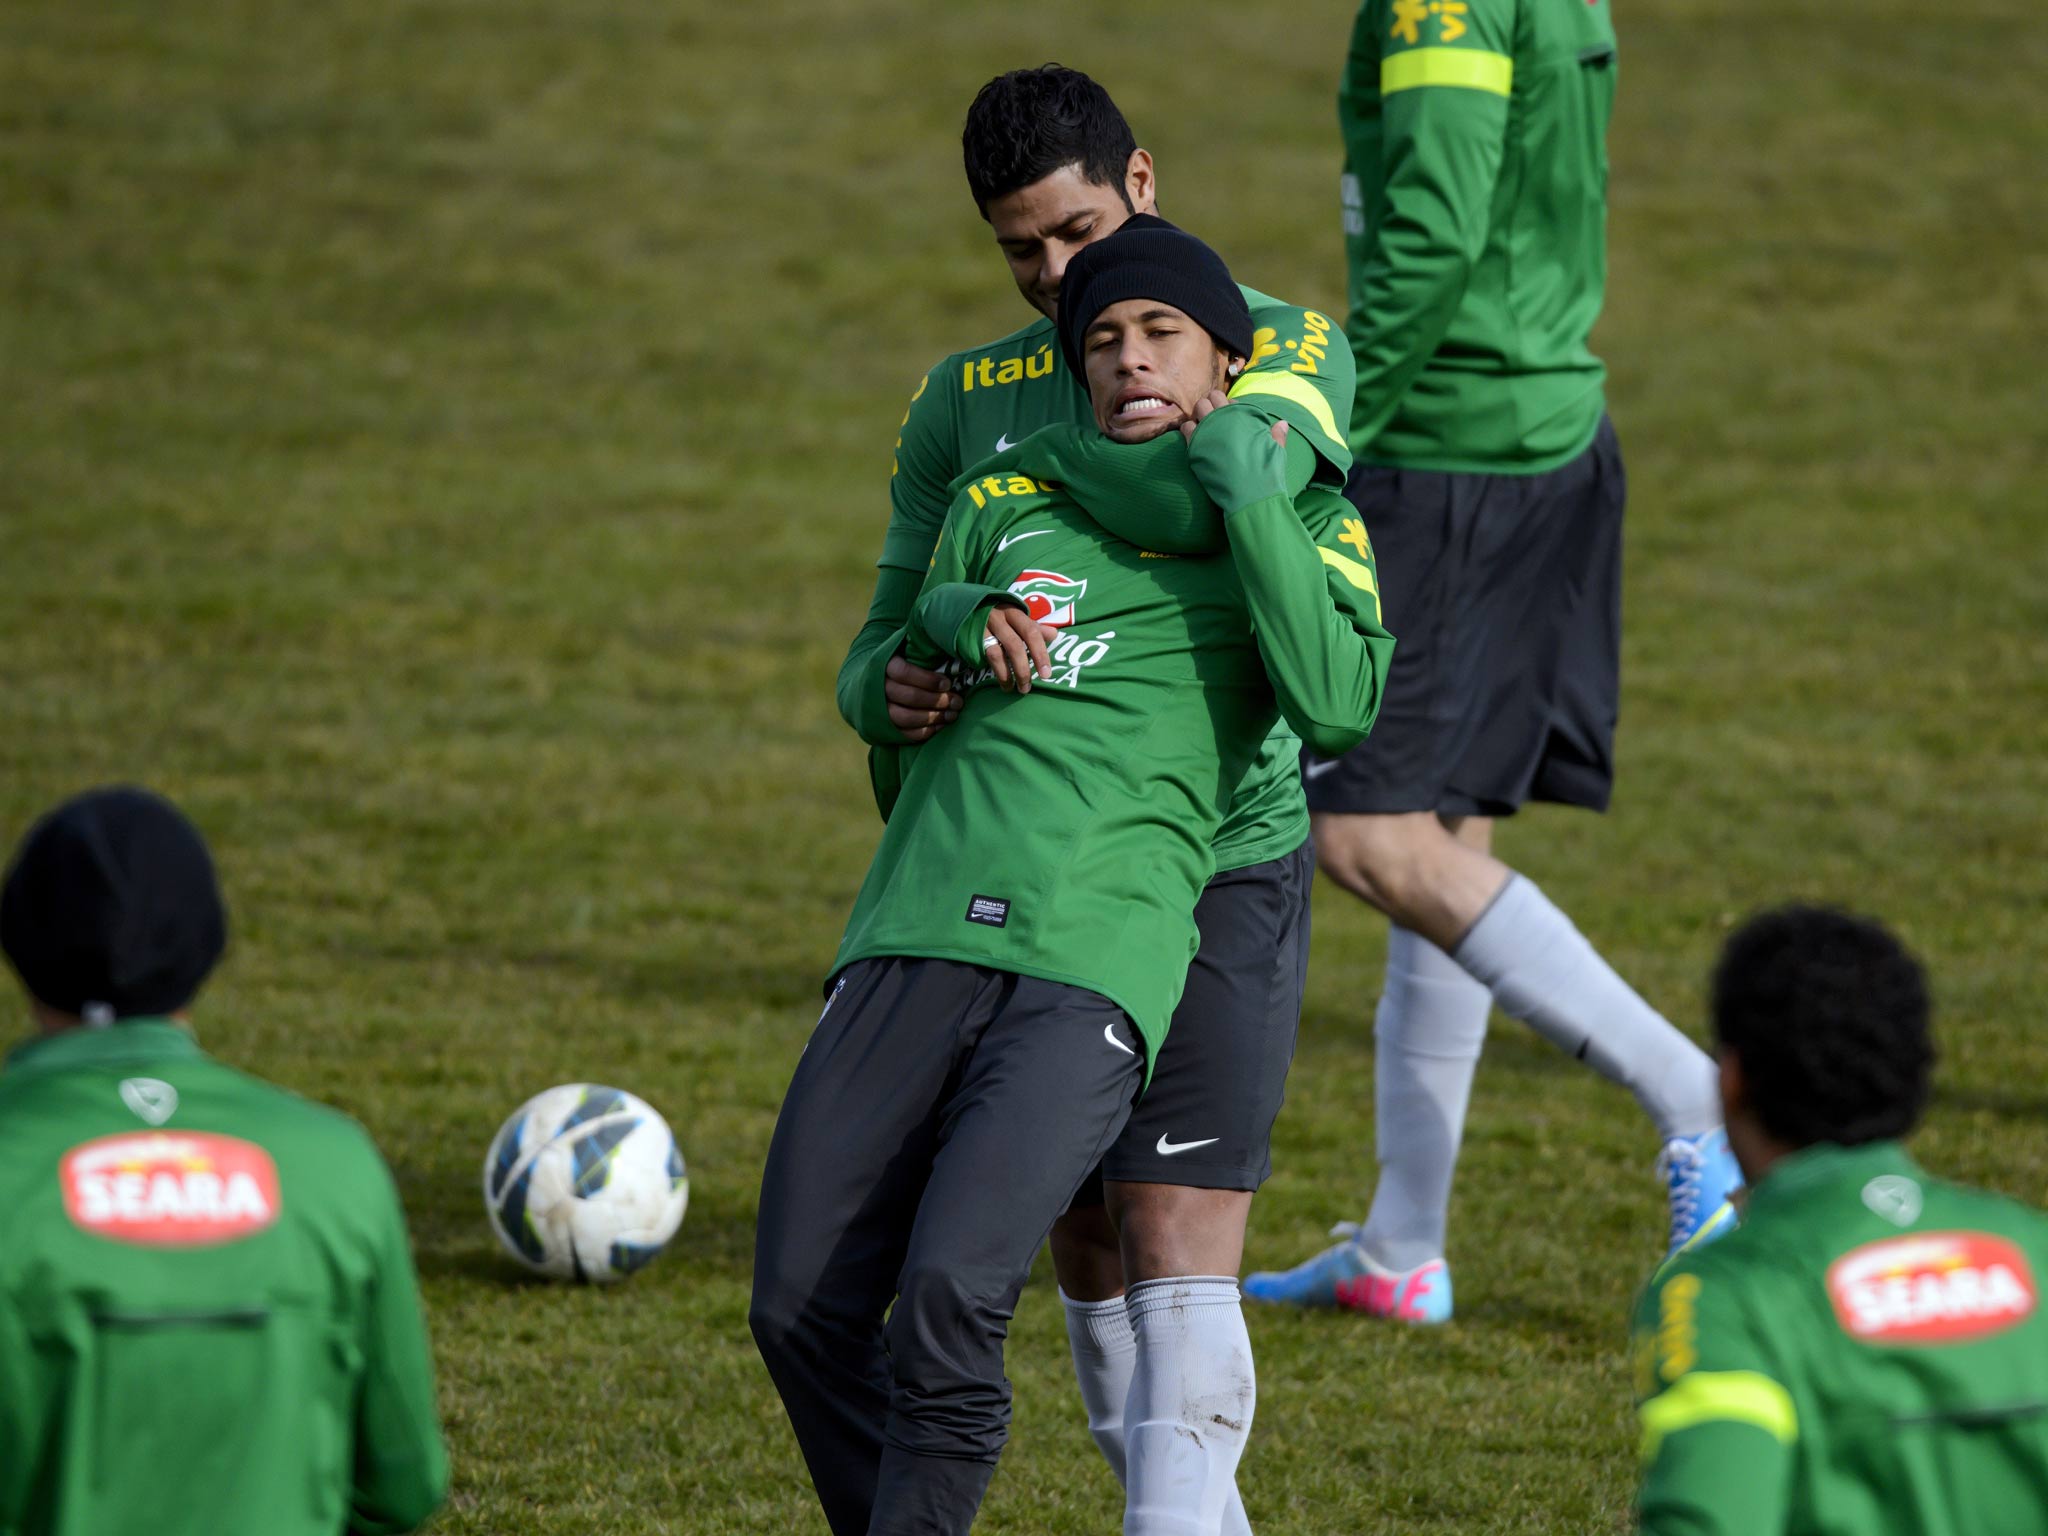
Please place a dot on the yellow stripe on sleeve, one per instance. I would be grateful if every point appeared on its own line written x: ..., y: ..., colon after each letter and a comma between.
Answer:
x: 1291, y: 386
x: 1467, y: 67
x: 1718, y: 1397
x: 1360, y: 576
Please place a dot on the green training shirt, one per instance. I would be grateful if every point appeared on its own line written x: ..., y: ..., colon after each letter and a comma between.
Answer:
x: 1475, y: 215
x: 1067, y: 833
x: 1866, y: 1353
x: 208, y: 1315
x: 979, y: 402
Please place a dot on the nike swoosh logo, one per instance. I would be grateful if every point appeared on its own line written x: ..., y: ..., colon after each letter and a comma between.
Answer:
x: 1003, y: 443
x: 1317, y: 770
x: 1004, y: 543
x: 1168, y: 1148
x: 1109, y: 1034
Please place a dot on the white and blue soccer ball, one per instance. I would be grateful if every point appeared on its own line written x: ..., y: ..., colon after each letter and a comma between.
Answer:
x: 585, y: 1183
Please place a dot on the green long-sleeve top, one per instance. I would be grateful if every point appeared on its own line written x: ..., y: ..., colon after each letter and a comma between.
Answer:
x: 1475, y: 212
x: 209, y: 1323
x: 986, y: 399
x: 1866, y: 1354
x: 1067, y: 833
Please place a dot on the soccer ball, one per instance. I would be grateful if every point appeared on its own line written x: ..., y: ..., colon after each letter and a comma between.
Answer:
x: 585, y: 1183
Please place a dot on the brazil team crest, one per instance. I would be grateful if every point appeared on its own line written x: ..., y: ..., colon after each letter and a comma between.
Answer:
x: 1049, y: 597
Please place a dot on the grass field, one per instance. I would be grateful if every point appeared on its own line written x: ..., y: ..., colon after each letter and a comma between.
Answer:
x: 444, y: 444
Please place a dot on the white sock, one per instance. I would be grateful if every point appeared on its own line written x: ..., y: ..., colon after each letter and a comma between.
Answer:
x: 1543, y: 971
x: 1426, y: 1044
x: 1190, y: 1406
x: 1104, y: 1349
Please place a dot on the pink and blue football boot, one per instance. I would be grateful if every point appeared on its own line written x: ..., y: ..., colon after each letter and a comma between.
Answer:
x: 1343, y: 1276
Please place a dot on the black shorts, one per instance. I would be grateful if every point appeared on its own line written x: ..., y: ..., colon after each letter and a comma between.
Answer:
x: 1207, y: 1119
x: 1503, y: 593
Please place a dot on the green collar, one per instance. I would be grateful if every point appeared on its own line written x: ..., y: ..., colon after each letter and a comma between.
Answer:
x: 132, y: 1040
x: 1826, y: 1164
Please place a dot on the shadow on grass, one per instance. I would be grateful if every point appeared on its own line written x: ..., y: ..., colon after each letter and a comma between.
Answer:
x: 717, y: 1245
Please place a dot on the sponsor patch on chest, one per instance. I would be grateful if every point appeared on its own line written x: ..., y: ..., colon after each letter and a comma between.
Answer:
x: 1932, y: 1288
x: 170, y: 1189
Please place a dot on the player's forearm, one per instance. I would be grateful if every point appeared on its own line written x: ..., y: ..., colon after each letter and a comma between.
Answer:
x: 401, y: 1462
x: 862, y: 703
x: 948, y: 622
x: 1328, y: 672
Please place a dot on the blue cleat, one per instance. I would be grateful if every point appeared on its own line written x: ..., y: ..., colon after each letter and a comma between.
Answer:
x: 1343, y: 1276
x: 1699, y: 1173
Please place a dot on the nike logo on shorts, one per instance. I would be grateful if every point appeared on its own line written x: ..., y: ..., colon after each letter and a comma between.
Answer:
x: 1169, y: 1148
x: 1317, y: 770
x: 1109, y: 1034
x: 1005, y: 542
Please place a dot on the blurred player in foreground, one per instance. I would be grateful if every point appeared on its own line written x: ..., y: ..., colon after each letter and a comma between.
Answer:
x: 208, y: 1316
x: 1053, y: 166
x: 1491, y: 483
x: 1868, y: 1352
x: 1014, y: 957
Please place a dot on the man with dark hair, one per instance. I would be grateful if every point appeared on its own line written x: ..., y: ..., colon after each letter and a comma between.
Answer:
x: 1474, y: 204
x: 208, y: 1315
x: 1053, y: 166
x: 1867, y: 1352
x: 1010, y: 971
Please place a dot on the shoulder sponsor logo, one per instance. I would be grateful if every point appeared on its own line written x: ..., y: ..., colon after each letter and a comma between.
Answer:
x: 165, y: 1189
x: 1048, y: 596
x: 1932, y: 1288
x: 1013, y: 538
x: 1894, y: 1197
x: 150, y: 1098
x: 987, y: 373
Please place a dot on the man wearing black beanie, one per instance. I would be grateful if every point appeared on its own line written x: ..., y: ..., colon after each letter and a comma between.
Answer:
x: 202, y: 1273
x: 1149, y: 258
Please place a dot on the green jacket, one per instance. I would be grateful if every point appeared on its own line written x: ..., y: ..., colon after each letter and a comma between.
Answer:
x: 989, y: 398
x: 209, y: 1321
x: 1475, y: 228
x: 1866, y: 1354
x: 1067, y: 833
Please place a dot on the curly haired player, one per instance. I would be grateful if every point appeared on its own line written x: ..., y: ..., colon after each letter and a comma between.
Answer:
x: 1867, y: 1352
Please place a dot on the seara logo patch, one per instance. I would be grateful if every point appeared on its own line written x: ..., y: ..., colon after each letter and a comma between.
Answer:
x: 1050, y: 597
x: 1932, y: 1288
x: 170, y: 1190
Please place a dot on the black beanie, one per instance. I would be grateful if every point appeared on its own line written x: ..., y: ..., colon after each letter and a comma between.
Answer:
x: 110, y: 909
x: 1148, y: 258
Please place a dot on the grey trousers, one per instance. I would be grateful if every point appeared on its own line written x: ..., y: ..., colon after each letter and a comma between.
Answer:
x: 941, y: 1117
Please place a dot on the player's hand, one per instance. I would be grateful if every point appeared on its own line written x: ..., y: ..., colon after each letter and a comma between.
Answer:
x: 920, y: 703
x: 1214, y: 401
x: 1015, y: 646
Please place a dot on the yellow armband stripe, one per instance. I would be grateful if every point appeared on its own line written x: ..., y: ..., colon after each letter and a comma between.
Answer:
x: 1360, y: 576
x: 1291, y: 386
x: 1718, y: 1397
x: 1466, y: 67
